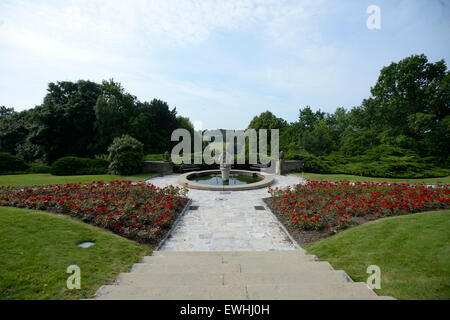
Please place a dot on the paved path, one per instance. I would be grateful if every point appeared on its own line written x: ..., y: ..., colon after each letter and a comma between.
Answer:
x: 228, y: 221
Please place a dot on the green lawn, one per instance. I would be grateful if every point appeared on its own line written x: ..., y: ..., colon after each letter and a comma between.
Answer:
x: 37, y: 247
x: 413, y: 252
x: 330, y: 177
x: 154, y: 157
x: 24, y: 180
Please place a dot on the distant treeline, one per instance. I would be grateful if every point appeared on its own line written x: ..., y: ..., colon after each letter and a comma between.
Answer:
x: 403, y: 129
x: 83, y: 118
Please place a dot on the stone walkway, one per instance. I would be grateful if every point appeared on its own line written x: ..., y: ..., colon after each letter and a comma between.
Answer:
x: 228, y: 221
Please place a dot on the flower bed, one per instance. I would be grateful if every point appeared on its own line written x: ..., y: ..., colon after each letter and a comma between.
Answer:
x: 141, y: 212
x: 330, y: 206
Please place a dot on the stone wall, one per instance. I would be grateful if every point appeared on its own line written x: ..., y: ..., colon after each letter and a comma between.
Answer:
x: 162, y: 167
x: 286, y: 166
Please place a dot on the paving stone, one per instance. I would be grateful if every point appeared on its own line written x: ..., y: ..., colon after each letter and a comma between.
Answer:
x: 229, y: 216
x: 187, y: 246
x: 257, y: 235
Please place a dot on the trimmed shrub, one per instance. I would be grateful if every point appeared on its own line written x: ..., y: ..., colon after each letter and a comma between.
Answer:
x: 315, y: 165
x: 11, y: 163
x: 381, y: 161
x: 67, y: 166
x: 125, y: 155
x: 312, y: 163
x: 98, y: 164
x: 94, y: 170
x: 39, y: 169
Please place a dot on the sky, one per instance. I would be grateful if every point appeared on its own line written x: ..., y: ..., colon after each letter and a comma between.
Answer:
x: 218, y: 62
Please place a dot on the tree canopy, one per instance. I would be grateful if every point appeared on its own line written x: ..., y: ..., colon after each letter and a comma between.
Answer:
x: 82, y: 119
x: 404, y: 124
x: 406, y: 119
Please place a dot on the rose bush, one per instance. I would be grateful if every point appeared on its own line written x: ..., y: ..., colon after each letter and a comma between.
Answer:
x: 335, y: 205
x: 137, y: 211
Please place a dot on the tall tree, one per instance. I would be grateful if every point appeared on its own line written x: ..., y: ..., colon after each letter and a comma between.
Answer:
x: 63, y: 124
x: 154, y: 125
x: 13, y: 129
x: 114, y: 110
x: 4, y: 111
x: 409, y: 102
x: 267, y: 120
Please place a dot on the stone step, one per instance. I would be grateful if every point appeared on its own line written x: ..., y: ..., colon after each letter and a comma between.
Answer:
x: 354, y: 291
x: 182, y: 260
x: 284, y: 259
x: 322, y: 269
x: 189, y: 268
x: 197, y: 278
x: 248, y: 265
x: 312, y: 291
x: 298, y: 278
x: 217, y: 259
x: 230, y: 253
x: 114, y: 292
x: 169, y: 279
x: 304, y: 266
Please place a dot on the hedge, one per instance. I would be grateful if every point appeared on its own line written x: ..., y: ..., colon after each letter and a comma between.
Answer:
x: 67, y: 166
x: 10, y: 163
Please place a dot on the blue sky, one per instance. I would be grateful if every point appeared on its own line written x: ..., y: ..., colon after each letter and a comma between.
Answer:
x: 218, y: 62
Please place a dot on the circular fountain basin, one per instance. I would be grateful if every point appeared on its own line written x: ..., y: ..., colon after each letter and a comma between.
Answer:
x: 212, y: 180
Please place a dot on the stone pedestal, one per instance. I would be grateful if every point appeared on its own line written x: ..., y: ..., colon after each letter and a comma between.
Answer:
x: 225, y: 169
x: 278, y: 167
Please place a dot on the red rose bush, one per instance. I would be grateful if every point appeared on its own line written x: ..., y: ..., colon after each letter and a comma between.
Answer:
x: 138, y: 211
x: 319, y: 205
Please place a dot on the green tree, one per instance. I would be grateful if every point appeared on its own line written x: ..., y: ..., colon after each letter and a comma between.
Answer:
x: 4, y: 111
x: 307, y: 117
x: 63, y: 124
x: 267, y: 120
x: 114, y: 111
x: 318, y: 141
x: 14, y: 129
x: 410, y: 99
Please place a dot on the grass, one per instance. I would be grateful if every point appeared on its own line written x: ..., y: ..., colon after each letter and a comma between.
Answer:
x: 25, y: 180
x: 413, y: 253
x: 37, y: 247
x: 331, y: 177
x: 154, y: 157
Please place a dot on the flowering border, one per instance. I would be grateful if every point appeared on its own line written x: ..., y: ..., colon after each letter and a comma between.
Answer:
x: 138, y: 211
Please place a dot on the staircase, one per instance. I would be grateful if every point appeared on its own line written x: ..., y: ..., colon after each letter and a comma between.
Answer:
x: 257, y: 275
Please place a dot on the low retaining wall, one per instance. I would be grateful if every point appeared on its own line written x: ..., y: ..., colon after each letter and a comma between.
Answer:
x: 162, y: 167
x: 287, y: 166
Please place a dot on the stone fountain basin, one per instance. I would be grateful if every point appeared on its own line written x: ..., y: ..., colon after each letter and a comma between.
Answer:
x: 266, y: 180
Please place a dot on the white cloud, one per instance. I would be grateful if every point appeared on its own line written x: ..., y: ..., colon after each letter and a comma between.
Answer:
x: 110, y: 24
x: 185, y: 87
x: 124, y: 39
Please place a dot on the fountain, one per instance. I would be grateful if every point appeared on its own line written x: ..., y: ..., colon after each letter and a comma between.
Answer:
x: 225, y: 178
x: 225, y: 168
